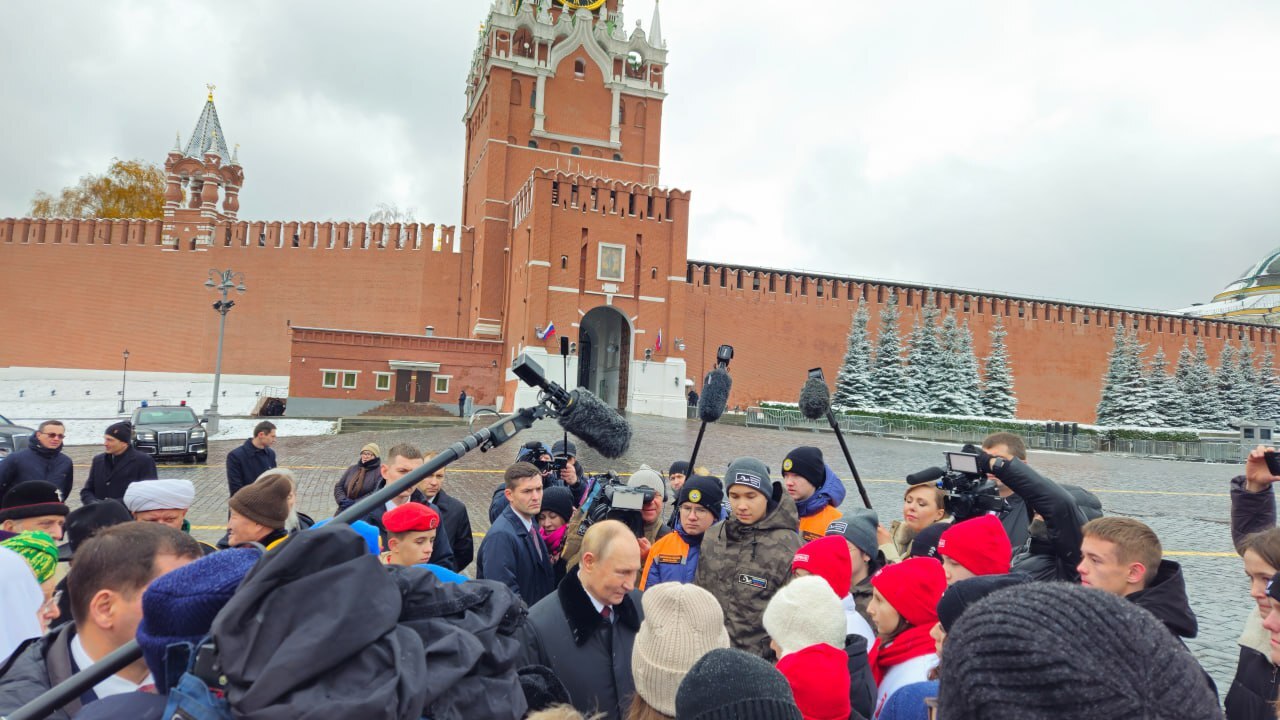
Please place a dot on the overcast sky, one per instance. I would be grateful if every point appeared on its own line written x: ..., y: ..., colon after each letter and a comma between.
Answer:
x: 1115, y: 152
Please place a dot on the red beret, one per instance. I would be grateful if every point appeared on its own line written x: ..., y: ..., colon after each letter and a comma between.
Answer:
x: 411, y: 517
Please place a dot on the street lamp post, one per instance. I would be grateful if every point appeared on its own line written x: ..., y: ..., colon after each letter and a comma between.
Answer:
x: 124, y: 376
x: 222, y: 281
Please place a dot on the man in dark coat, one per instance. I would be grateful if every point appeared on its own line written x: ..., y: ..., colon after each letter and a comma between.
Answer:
x: 42, y: 459
x: 113, y: 471
x: 512, y: 552
x: 585, y: 631
x: 457, y: 524
x: 254, y: 457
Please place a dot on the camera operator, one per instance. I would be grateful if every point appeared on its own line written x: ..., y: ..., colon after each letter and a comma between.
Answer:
x: 651, y: 524
x: 1056, y: 554
x: 568, y: 470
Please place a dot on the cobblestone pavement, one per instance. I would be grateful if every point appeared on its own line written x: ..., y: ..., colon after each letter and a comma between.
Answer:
x: 1186, y: 503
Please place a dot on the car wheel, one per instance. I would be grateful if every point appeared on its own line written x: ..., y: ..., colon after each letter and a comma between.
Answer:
x: 202, y: 458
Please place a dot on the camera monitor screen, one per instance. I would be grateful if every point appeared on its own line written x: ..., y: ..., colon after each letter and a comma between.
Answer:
x: 962, y: 462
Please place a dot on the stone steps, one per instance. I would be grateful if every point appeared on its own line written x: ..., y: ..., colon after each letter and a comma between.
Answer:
x: 366, y: 423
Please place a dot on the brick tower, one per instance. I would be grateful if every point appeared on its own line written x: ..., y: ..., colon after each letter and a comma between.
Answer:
x: 563, y: 123
x: 196, y: 175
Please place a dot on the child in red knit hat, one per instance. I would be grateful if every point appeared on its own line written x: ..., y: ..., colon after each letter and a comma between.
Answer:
x: 904, y: 610
x: 975, y: 547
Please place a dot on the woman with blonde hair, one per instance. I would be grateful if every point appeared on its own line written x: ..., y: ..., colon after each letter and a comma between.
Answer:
x: 922, y: 506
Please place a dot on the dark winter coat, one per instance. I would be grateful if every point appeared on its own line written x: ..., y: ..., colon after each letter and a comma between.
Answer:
x: 1257, y: 682
x: 591, y: 655
x: 441, y: 550
x: 37, y: 462
x: 1056, y: 556
x: 1250, y: 512
x: 37, y: 666
x: 745, y: 565
x: 110, y: 475
x: 246, y: 463
x: 475, y: 636
x: 313, y: 632
x: 1016, y: 521
x: 457, y: 525
x: 862, y: 684
x: 371, y: 481
x: 1166, y: 598
x: 507, y: 555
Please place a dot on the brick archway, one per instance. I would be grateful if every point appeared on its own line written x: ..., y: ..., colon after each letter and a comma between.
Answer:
x: 604, y: 355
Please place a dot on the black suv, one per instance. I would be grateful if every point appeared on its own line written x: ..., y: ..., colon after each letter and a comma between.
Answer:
x: 13, y: 437
x: 170, y: 431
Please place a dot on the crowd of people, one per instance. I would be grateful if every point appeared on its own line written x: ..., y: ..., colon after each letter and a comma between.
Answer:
x: 657, y: 595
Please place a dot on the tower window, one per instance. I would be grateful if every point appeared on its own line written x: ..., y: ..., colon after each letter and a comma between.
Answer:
x: 533, y: 97
x: 579, y: 68
x: 533, y: 144
x: 564, y: 262
x: 575, y: 150
x: 617, y: 156
x: 622, y: 111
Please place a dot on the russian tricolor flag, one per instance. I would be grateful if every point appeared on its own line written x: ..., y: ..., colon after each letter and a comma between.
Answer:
x: 548, y: 332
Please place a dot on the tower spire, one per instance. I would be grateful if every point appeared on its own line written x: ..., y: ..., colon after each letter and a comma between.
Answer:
x: 655, y: 27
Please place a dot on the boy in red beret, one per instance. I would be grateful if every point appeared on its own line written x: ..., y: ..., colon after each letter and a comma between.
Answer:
x: 411, y: 533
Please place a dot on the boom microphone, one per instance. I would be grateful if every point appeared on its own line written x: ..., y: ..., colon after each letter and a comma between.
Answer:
x: 599, y: 425
x: 925, y: 475
x: 715, y: 395
x: 579, y: 412
x: 815, y: 399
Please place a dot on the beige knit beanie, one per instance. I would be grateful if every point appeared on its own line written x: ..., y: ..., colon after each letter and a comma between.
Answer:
x: 681, y: 624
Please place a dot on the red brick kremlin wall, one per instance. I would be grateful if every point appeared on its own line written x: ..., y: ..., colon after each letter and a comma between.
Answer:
x: 1058, y: 351
x: 75, y: 293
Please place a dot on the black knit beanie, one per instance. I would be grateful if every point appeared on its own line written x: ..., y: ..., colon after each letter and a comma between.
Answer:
x: 121, y: 431
x: 968, y: 592
x: 1044, y: 651
x: 806, y: 462
x: 728, y: 684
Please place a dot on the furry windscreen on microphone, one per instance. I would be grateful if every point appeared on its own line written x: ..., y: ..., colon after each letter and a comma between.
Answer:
x: 597, y: 424
x: 715, y: 395
x: 815, y: 399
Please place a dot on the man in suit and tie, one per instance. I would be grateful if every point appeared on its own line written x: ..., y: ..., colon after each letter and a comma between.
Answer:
x: 512, y: 551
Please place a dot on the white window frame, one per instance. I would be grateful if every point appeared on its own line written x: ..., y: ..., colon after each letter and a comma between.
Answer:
x: 378, y: 379
x: 355, y: 379
x: 435, y: 384
x: 324, y: 381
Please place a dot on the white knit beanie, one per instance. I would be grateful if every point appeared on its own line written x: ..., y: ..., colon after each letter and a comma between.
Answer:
x: 681, y: 624
x: 805, y: 612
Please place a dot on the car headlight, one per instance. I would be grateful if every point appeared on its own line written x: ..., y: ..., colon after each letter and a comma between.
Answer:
x: 197, y: 434
x: 146, y: 436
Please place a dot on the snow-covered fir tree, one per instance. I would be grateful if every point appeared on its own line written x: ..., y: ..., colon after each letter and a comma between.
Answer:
x: 1117, y: 359
x: 853, y: 382
x: 952, y: 396
x: 1201, y: 389
x: 971, y: 386
x: 1232, y: 394
x: 888, y: 381
x: 1185, y: 418
x: 923, y: 358
x: 1267, y: 406
x: 1164, y: 389
x: 1135, y: 403
x: 998, y: 396
x: 1247, y: 376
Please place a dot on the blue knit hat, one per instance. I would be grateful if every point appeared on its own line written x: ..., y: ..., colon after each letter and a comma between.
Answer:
x: 179, y: 607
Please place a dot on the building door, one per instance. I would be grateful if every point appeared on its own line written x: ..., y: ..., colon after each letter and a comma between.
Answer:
x: 404, y: 385
x: 604, y: 360
x: 422, y: 387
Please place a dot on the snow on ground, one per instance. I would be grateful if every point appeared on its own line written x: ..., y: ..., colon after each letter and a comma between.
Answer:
x: 88, y: 400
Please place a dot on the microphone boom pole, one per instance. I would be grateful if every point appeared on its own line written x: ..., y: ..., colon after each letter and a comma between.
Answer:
x: 835, y: 426
x: 815, y: 401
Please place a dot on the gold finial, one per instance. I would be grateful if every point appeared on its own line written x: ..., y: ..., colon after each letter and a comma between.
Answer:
x: 211, y: 89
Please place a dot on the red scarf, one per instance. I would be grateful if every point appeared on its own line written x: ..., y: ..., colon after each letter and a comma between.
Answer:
x: 910, y: 643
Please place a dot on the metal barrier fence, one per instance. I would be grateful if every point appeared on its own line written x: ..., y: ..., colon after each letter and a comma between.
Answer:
x: 1203, y: 450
